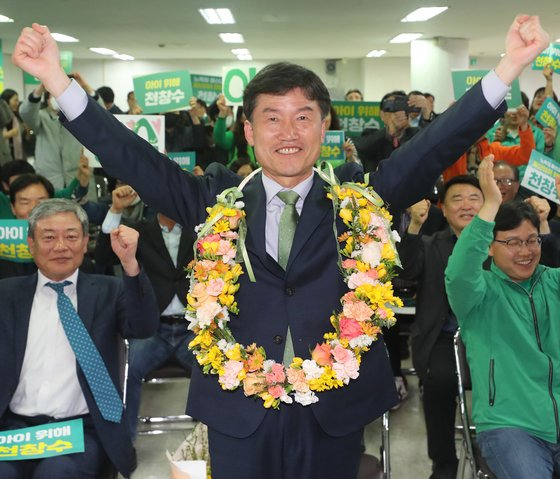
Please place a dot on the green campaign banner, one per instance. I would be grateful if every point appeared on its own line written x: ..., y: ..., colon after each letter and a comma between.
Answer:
x: 332, y: 148
x: 540, y: 175
x: 30, y: 79
x: 149, y: 127
x: 185, y: 159
x: 234, y: 81
x: 550, y: 56
x: 13, y: 241
x: 356, y: 116
x: 162, y: 92
x: 464, y: 80
x: 66, y: 61
x: 38, y: 442
x: 549, y: 114
x: 1, y: 68
x: 206, y: 87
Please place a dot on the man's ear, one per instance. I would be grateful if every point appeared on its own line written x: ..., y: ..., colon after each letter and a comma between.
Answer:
x: 31, y: 245
x: 491, y: 250
x: 249, y: 132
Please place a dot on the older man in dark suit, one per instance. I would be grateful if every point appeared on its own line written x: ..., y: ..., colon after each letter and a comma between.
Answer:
x: 60, y: 331
x: 286, y: 106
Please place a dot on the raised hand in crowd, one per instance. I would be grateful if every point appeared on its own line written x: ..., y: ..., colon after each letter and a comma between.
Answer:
x: 549, y: 137
x: 350, y: 150
x: 547, y: 73
x: 500, y: 133
x: 196, y: 111
x: 490, y: 190
x: 122, y: 198
x: 542, y: 207
x: 124, y: 241
x: 82, y: 82
x: 224, y: 110
x: 523, y: 114
x: 418, y: 216
x: 524, y: 41
x: 84, y: 173
x: 420, y: 101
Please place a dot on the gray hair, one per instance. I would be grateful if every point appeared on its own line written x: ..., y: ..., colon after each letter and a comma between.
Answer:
x: 54, y: 206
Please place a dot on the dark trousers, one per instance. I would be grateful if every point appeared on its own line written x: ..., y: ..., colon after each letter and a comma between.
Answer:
x: 288, y: 444
x: 440, y: 404
x: 85, y: 465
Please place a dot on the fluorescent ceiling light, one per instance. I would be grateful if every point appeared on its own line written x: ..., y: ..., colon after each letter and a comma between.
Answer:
x: 424, y: 13
x: 555, y: 41
x: 103, y: 51
x: 217, y: 16
x: 405, y: 37
x: 376, y: 53
x: 502, y: 55
x: 123, y: 56
x: 4, y: 19
x: 60, y: 37
x: 241, y: 51
x: 246, y: 56
x: 232, y: 38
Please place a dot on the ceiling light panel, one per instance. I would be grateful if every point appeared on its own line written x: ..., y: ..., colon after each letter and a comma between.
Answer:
x: 4, y: 19
x: 232, y: 38
x: 217, y: 16
x: 376, y: 53
x: 103, y: 51
x: 405, y: 37
x: 60, y: 37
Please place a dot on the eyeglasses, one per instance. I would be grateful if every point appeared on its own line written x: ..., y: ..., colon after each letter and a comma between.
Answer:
x: 515, y: 244
x: 504, y: 182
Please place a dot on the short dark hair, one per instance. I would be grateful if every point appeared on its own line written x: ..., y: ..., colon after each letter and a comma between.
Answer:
x: 458, y: 180
x: 23, y: 181
x: 354, y: 90
x: 13, y: 168
x: 393, y: 93
x: 415, y: 92
x: 512, y: 214
x: 281, y: 78
x: 106, y: 93
x: 428, y: 94
x: 513, y: 168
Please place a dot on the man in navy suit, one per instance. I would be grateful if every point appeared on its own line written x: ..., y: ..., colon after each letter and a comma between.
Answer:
x: 42, y: 381
x: 286, y: 106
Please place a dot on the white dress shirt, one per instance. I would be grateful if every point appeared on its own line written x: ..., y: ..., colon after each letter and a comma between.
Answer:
x: 48, y: 383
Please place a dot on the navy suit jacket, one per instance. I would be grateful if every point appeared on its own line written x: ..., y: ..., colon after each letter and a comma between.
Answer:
x: 305, y: 295
x: 111, y: 309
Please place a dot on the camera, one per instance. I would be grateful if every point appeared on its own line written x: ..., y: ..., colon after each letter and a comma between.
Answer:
x: 398, y: 103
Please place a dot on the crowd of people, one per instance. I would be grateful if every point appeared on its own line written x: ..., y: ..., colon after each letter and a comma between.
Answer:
x: 423, y: 164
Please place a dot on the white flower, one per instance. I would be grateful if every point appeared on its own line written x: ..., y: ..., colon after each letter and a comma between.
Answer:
x: 268, y: 364
x: 206, y: 313
x: 396, y: 236
x: 361, y: 341
x: 197, y: 228
x: 239, y: 205
x: 311, y: 369
x: 371, y: 253
x: 287, y: 399
x: 193, y: 322
x: 224, y: 346
x: 305, y: 399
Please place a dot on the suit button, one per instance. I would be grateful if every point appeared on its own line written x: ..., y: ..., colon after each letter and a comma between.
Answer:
x: 289, y: 291
x: 278, y: 339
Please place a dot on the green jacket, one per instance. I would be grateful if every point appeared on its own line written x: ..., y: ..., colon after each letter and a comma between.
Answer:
x: 512, y: 334
x: 224, y: 140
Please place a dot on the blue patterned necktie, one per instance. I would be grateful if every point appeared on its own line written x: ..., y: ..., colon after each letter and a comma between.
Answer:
x: 286, y: 231
x: 104, y: 392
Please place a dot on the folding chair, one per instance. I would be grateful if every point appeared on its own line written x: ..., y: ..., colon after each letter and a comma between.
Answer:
x: 469, y: 451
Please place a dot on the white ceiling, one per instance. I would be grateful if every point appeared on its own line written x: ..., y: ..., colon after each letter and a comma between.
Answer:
x: 284, y: 29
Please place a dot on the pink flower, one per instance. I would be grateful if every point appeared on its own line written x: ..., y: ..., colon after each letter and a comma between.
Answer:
x: 276, y: 374
x: 357, y: 279
x: 349, y: 328
x: 276, y: 391
x: 201, y: 295
x: 349, y: 263
x: 229, y: 235
x: 229, y: 379
x: 342, y: 355
x: 348, y: 370
x: 226, y: 250
x: 207, y: 264
x: 382, y: 313
x: 372, y: 273
x: 296, y: 377
x: 322, y: 354
x: 381, y: 233
x: 207, y: 312
x: 349, y: 296
x: 357, y: 310
x: 215, y: 287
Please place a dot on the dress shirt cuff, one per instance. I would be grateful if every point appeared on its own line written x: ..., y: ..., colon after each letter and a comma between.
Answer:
x: 111, y: 221
x: 72, y: 101
x: 494, y: 89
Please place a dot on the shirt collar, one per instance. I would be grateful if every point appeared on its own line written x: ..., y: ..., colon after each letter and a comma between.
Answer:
x: 42, y: 280
x: 272, y: 188
x: 176, y: 228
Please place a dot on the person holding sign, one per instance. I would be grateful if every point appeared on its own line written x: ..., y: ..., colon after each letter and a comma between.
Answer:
x: 509, y: 323
x: 290, y: 252
x: 59, y: 346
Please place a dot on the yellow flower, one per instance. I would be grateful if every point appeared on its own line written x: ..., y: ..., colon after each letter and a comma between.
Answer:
x: 268, y: 400
x: 296, y: 362
x: 229, y: 212
x: 364, y: 218
x: 226, y: 299
x: 381, y: 271
x: 346, y: 215
x: 235, y: 353
x: 214, y: 357
x: 326, y: 381
x: 220, y: 226
x: 349, y: 245
x: 388, y: 252
x: 363, y: 267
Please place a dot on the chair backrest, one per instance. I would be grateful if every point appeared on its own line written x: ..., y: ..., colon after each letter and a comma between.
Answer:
x: 461, y: 362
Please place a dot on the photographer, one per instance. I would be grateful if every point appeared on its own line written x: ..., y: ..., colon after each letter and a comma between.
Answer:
x: 379, y: 144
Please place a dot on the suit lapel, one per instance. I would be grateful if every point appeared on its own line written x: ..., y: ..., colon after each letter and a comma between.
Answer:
x: 254, y: 197
x: 23, y: 297
x: 87, y: 290
x: 445, y: 245
x: 315, y: 207
x: 155, y: 236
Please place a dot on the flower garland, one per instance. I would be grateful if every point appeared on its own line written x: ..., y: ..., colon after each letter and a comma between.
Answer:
x: 368, y: 249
